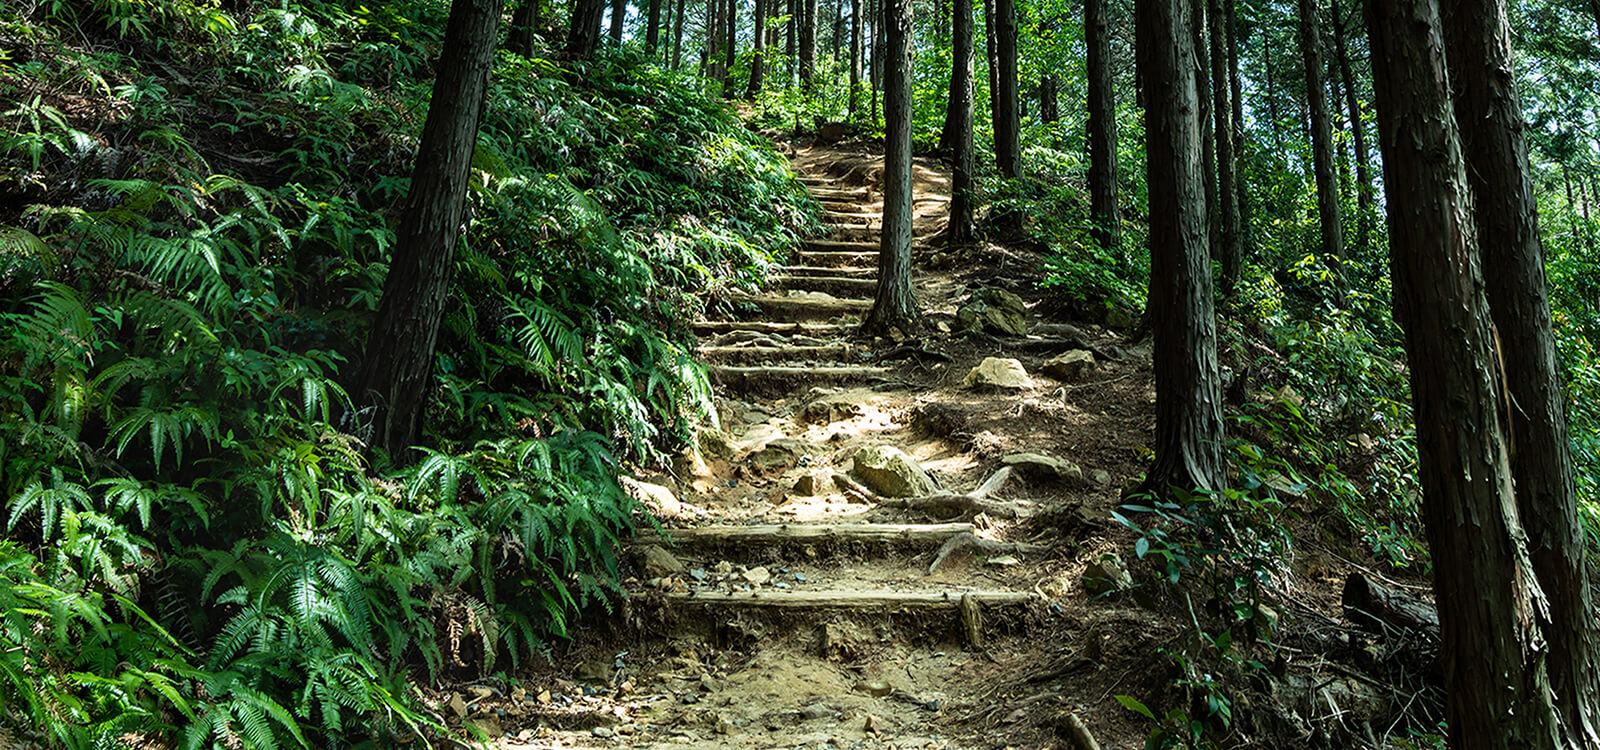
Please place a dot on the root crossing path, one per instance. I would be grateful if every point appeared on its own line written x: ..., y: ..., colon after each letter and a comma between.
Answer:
x: 875, y: 549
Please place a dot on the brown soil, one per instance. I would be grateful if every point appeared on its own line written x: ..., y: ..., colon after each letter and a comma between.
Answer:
x: 671, y: 671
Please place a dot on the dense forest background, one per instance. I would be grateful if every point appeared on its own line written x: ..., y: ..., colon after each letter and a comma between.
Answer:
x: 197, y: 212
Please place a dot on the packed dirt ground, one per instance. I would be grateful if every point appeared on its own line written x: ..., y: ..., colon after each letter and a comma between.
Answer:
x: 798, y: 597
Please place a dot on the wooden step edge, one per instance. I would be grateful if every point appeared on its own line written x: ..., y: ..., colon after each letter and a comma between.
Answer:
x: 771, y: 353
x: 945, y: 599
x: 796, y: 371
x: 841, y: 304
x: 817, y: 330
x: 777, y: 533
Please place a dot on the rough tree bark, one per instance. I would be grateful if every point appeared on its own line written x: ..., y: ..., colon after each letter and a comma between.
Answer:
x: 583, y: 35
x: 1321, y: 139
x: 619, y: 13
x: 1008, y: 128
x: 895, y: 305
x: 1188, y: 442
x: 652, y: 27
x: 808, y: 42
x: 1358, y: 133
x: 1227, y: 249
x: 758, y: 61
x: 1208, y: 151
x: 855, y: 57
x: 677, y: 34
x: 519, y: 39
x: 1105, y: 226
x: 398, y: 366
x: 730, y: 20
x: 1478, y: 46
x: 1497, y: 692
x: 960, y: 229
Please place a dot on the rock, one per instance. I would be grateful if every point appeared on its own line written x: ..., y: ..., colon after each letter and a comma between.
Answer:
x: 1069, y: 365
x: 657, y: 562
x: 996, y: 372
x: 814, y: 483
x: 757, y: 576
x: 659, y: 499
x: 815, y: 711
x: 1118, y: 317
x: 872, y: 725
x: 489, y: 724
x: 595, y: 670
x: 1040, y: 465
x: 994, y: 311
x: 874, y: 688
x: 1100, y: 477
x: 779, y: 455
x: 828, y: 409
x: 833, y: 132
x: 1284, y: 487
x: 891, y: 473
x: 1106, y: 575
x: 715, y: 443
x: 458, y: 705
x: 602, y: 732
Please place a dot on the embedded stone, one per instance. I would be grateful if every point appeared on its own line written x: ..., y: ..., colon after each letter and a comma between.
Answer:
x: 890, y: 472
x: 997, y: 372
x: 1070, y: 365
x: 1040, y: 465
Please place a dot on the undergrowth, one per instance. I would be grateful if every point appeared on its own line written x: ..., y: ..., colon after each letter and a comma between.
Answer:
x: 198, y: 551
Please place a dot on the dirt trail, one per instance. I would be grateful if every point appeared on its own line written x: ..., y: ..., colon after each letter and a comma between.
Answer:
x: 805, y: 613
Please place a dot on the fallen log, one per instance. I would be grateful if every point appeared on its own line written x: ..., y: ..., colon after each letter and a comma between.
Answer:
x: 1380, y: 609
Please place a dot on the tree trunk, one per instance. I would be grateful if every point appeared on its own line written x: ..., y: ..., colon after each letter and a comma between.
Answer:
x: 960, y: 230
x: 1358, y: 133
x: 677, y: 34
x: 896, y: 304
x: 708, y: 55
x: 880, y: 52
x: 1049, y: 100
x: 951, y: 129
x: 808, y: 42
x: 1105, y: 226
x: 837, y: 38
x: 1498, y: 694
x: 991, y: 57
x: 758, y: 62
x: 1236, y: 125
x: 731, y: 19
x: 1208, y: 152
x: 1478, y: 41
x: 1007, y: 129
x: 519, y: 40
x: 1228, y: 252
x: 583, y: 36
x: 1188, y: 442
x: 855, y: 57
x: 652, y: 28
x: 619, y: 13
x: 398, y: 366
x: 1321, y: 142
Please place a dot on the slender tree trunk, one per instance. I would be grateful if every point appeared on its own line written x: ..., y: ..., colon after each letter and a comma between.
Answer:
x: 1478, y: 46
x: 1321, y: 140
x: 1208, y: 152
x: 1229, y: 253
x: 1008, y: 129
x: 519, y: 39
x: 896, y: 304
x: 991, y: 56
x: 619, y: 13
x: 1049, y: 100
x: 1188, y: 442
x: 758, y: 62
x: 583, y: 36
x: 1236, y: 125
x: 398, y: 366
x: 1105, y: 226
x: 677, y: 34
x: 961, y: 230
x: 708, y: 55
x: 790, y: 43
x: 1340, y: 122
x: 731, y: 18
x: 808, y: 42
x: 652, y: 28
x: 837, y: 40
x: 855, y: 57
x: 1358, y: 134
x: 880, y: 51
x: 1497, y: 693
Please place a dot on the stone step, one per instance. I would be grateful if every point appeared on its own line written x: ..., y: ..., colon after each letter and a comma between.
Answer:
x: 754, y: 355
x: 782, y: 381
x: 838, y: 286
x: 796, y: 309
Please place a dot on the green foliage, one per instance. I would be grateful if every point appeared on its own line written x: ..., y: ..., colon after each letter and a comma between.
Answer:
x: 190, y: 277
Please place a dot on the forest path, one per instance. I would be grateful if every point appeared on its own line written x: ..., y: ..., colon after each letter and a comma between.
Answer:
x: 802, y: 599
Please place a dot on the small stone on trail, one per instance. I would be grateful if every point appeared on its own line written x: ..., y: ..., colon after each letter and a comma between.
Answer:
x: 658, y: 498
x: 602, y: 732
x: 757, y: 576
x: 1004, y: 560
x: 888, y: 471
x: 815, y: 711
x: 1100, y: 477
x: 1106, y: 575
x: 1038, y: 464
x: 875, y: 688
x: 1069, y: 365
x: 458, y: 705
x: 998, y: 372
x: 723, y: 568
x: 994, y: 311
x: 489, y: 724
x: 814, y: 483
x: 699, y: 574
x: 658, y: 563
x: 872, y: 724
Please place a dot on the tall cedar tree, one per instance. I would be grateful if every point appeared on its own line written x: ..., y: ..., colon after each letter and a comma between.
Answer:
x: 808, y: 42
x: 855, y: 57
x: 1008, y: 126
x: 619, y: 13
x: 963, y: 58
x: 758, y: 58
x: 1498, y: 693
x: 1478, y: 46
x: 652, y: 27
x: 583, y: 35
x: 1358, y: 132
x: 1208, y: 155
x: 730, y: 20
x: 895, y: 305
x: 1105, y: 228
x: 1227, y: 248
x: 1321, y: 137
x: 519, y: 39
x: 398, y: 366
x: 1188, y: 442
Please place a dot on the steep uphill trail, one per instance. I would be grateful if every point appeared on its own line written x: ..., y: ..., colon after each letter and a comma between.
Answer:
x: 873, y: 551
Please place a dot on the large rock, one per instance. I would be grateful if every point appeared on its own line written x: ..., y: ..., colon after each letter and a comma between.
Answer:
x: 890, y: 472
x: 1069, y: 366
x: 779, y: 455
x: 1040, y: 465
x: 996, y: 372
x: 656, y: 562
x: 812, y: 483
x: 657, y: 498
x: 994, y: 311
